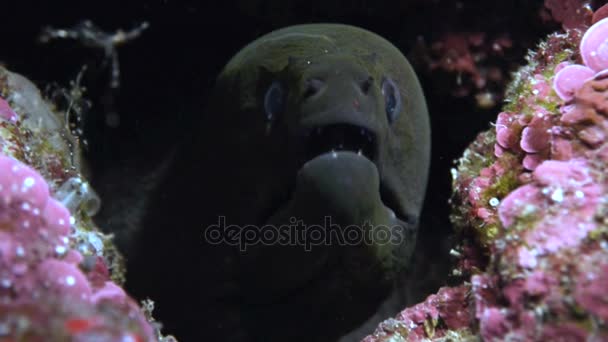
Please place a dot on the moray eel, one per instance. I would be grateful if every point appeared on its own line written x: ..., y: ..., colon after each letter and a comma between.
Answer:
x: 315, y: 131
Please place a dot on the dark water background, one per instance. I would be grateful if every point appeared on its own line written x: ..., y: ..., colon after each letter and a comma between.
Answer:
x: 168, y: 70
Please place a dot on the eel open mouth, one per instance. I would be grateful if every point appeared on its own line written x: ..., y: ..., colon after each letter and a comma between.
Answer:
x: 362, y: 141
x: 341, y: 137
x: 339, y: 178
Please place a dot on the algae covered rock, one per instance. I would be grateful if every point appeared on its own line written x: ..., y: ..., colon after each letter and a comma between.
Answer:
x: 529, y: 204
x: 60, y: 277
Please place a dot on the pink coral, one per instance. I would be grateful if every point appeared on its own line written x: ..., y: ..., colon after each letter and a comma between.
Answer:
x: 600, y: 14
x: 571, y: 78
x: 532, y: 197
x: 594, y: 46
x: 467, y: 60
x: 529, y: 133
x: 448, y: 306
x: 551, y: 216
x: 594, y: 52
x: 571, y: 13
x: 591, y: 279
x: 42, y: 281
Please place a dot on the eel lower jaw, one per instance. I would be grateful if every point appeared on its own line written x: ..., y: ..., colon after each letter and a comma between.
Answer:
x: 390, y: 199
x: 344, y: 185
x: 336, y: 138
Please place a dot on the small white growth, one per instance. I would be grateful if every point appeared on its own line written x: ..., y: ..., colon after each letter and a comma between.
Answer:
x: 558, y: 195
x: 494, y: 202
x: 60, y: 250
x: 539, y: 312
x: 72, y: 220
x: 20, y: 251
x: 6, y: 283
x: 61, y: 221
x: 96, y: 242
x: 26, y: 206
x: 579, y: 194
x: 70, y: 280
x: 127, y: 338
x: 454, y: 173
x: 455, y: 253
x: 28, y: 182
x: 26, y: 224
x: 528, y: 209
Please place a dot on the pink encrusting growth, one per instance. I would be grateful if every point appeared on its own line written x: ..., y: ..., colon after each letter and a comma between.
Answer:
x: 594, y: 52
x: 6, y: 112
x: 572, y: 14
x: 571, y: 78
x: 42, y: 279
x: 420, y: 321
x: 467, y: 60
x: 59, y: 275
x: 530, y: 204
x: 594, y: 46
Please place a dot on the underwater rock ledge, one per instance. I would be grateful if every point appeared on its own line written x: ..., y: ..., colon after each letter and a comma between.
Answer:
x: 60, y: 277
x: 530, y: 205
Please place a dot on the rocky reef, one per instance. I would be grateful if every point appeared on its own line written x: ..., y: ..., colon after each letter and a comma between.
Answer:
x: 529, y: 204
x: 60, y: 278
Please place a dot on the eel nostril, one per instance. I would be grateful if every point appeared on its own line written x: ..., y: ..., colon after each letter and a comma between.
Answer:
x: 366, y: 84
x: 313, y: 86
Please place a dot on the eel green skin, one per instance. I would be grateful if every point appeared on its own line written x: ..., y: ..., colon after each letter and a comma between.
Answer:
x: 308, y: 123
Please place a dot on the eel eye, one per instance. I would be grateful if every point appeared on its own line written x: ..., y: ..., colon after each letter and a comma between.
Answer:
x: 392, y: 99
x: 274, y: 100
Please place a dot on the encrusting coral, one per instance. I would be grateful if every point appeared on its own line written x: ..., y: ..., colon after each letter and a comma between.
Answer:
x: 530, y: 203
x: 59, y: 276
